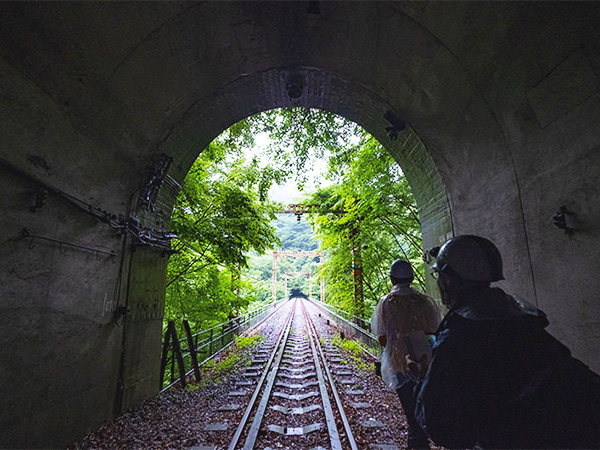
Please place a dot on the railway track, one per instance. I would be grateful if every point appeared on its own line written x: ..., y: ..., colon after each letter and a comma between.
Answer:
x: 295, y: 401
x: 286, y: 396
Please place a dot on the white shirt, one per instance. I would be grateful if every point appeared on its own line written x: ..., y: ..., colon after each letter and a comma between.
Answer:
x: 404, y: 310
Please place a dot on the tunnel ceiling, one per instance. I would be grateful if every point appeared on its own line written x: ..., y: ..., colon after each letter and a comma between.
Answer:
x: 131, y: 80
x: 95, y: 91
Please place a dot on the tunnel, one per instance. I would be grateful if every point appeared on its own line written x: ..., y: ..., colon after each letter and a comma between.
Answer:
x: 491, y: 109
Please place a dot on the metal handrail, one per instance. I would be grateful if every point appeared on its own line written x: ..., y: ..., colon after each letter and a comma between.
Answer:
x: 236, y: 322
x: 220, y: 341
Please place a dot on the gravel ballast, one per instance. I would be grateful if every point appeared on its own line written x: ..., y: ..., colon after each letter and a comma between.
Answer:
x: 208, y: 415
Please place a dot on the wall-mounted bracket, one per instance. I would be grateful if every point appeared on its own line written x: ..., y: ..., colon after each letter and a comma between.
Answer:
x: 39, y: 199
x: 565, y: 220
x: 397, y: 125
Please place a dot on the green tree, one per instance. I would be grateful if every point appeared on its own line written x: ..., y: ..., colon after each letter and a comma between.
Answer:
x: 370, y: 204
x: 370, y: 207
x: 220, y: 218
x: 298, y: 136
x: 223, y: 215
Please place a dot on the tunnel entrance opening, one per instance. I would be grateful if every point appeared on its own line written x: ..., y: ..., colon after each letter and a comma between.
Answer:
x: 181, y: 148
x: 366, y: 217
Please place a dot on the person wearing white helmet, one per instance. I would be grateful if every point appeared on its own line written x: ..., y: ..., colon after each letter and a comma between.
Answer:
x: 497, y: 379
x: 404, y: 310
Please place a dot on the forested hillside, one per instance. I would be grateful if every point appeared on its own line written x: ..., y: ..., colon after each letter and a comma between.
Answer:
x: 295, y: 236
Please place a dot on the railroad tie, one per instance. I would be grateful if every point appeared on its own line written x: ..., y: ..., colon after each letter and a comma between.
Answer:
x: 295, y: 431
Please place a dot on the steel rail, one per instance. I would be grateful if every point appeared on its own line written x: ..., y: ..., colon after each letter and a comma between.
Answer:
x: 220, y: 351
x: 338, y: 401
x: 262, y: 407
x: 268, y: 371
x: 334, y: 435
x: 268, y: 379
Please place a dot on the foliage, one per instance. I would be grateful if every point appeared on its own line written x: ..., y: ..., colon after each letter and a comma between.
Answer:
x: 299, y: 136
x: 348, y: 345
x: 237, y: 356
x: 219, y: 218
x: 370, y: 209
x: 246, y: 342
x: 224, y: 217
x: 294, y: 236
x: 354, y: 349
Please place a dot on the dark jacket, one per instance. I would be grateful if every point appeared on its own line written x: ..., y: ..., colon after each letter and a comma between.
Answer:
x: 499, y: 380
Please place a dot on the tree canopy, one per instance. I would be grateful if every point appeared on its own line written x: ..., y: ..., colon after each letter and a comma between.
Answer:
x: 227, y: 222
x: 220, y: 218
x: 369, y: 209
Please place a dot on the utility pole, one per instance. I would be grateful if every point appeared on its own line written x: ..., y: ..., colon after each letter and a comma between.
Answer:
x: 274, y: 278
x: 357, y: 273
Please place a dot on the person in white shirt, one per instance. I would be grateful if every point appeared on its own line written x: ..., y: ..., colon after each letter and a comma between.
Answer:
x: 404, y: 310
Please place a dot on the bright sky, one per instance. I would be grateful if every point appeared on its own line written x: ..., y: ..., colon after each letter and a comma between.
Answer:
x: 288, y: 192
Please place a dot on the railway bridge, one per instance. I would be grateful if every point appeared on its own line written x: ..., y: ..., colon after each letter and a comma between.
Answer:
x: 491, y: 108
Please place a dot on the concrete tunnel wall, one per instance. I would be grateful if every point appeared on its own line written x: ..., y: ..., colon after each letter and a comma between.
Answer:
x: 503, y: 96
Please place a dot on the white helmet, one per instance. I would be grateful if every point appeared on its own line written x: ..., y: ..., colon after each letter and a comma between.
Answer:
x: 402, y: 270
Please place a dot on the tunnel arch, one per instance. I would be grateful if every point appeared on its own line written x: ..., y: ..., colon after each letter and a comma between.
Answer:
x: 431, y: 94
x: 503, y: 95
x: 408, y: 149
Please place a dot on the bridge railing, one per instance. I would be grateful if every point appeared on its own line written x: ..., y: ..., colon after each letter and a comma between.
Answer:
x: 180, y: 355
x: 355, y: 327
